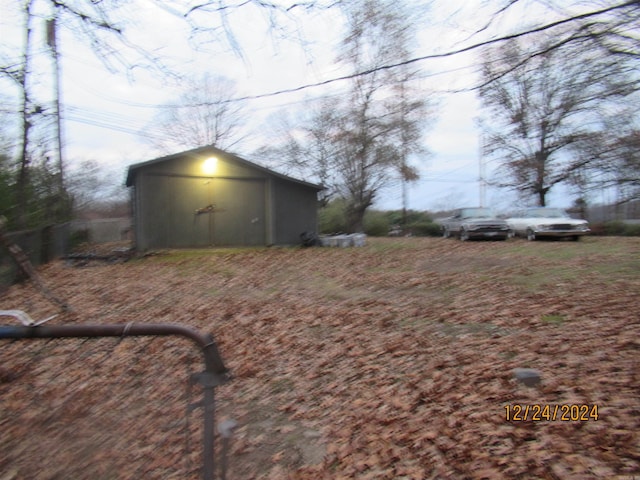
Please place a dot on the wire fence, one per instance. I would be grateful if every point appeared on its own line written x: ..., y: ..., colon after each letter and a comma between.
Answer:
x: 101, y: 408
x: 40, y: 245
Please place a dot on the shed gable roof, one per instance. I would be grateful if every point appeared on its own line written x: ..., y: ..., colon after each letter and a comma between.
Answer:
x: 133, y: 169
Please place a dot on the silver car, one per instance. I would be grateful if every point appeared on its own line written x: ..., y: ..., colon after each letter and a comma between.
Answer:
x: 469, y: 223
x: 538, y: 222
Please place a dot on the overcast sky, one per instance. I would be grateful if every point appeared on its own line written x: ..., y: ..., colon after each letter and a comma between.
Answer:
x: 105, y: 111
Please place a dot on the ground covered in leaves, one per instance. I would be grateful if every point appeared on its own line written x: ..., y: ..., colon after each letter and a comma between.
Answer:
x: 390, y: 361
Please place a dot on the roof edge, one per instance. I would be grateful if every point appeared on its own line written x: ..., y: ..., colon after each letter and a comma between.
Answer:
x: 131, y: 171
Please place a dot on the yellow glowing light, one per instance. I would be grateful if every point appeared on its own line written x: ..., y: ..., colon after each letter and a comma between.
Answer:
x: 209, y: 166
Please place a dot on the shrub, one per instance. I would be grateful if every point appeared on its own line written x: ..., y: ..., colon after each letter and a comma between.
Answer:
x: 332, y: 218
x: 617, y: 228
x: 79, y: 237
x: 425, y: 229
x: 397, y: 217
x: 376, y: 223
x: 632, y: 230
x: 614, y: 228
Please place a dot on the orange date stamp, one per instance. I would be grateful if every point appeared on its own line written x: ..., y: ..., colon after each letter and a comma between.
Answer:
x: 551, y: 412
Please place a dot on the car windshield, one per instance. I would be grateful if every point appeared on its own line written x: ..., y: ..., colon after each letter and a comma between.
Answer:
x: 476, y: 213
x: 547, y: 213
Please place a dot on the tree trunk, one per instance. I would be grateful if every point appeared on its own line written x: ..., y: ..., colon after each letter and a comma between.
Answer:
x: 542, y: 201
x: 23, y: 172
x: 355, y: 216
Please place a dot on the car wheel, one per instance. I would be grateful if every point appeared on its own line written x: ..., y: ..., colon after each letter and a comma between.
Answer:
x: 576, y: 238
x: 446, y: 233
x: 464, y: 236
x: 531, y: 236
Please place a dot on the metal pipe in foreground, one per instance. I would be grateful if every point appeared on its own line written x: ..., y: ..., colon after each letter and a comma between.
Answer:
x: 213, y: 361
x: 215, y: 371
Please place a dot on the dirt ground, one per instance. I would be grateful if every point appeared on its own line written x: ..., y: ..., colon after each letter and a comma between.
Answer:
x: 391, y: 361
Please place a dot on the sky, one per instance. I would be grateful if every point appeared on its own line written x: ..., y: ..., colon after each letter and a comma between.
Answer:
x: 105, y: 111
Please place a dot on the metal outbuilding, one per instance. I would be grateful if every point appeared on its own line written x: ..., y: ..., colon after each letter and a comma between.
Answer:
x: 206, y: 197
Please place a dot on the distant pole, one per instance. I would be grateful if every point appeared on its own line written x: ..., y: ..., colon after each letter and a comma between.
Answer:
x: 405, y: 201
x: 52, y: 42
x: 481, y: 179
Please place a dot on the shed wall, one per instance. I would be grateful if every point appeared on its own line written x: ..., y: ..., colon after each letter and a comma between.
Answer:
x: 177, y: 211
x: 296, y: 211
x: 176, y: 205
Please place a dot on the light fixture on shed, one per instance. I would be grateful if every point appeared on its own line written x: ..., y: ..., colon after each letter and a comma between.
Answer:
x: 209, y: 166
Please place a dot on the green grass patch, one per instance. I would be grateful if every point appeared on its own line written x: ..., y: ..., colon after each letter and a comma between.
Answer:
x: 535, y: 280
x: 382, y: 245
x: 545, y: 264
x: 553, y: 318
x: 177, y: 255
x: 566, y: 250
x: 630, y: 268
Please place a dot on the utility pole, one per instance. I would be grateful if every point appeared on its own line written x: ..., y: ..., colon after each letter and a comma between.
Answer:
x: 405, y: 202
x: 482, y: 168
x: 52, y: 42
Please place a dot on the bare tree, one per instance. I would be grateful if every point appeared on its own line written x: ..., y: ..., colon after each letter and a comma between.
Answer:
x: 204, y: 114
x: 322, y: 151
x: 626, y: 165
x: 615, y: 151
x: 534, y: 112
x: 411, y: 107
x: 378, y: 128
x: 603, y: 27
x: 364, y: 140
x: 304, y: 144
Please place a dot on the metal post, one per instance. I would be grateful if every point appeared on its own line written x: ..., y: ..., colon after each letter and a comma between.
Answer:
x: 209, y: 382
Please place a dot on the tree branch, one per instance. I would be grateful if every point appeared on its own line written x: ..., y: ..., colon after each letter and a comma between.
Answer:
x: 451, y: 53
x: 100, y: 23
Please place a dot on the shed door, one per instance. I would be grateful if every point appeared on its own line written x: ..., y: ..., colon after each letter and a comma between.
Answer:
x: 217, y: 211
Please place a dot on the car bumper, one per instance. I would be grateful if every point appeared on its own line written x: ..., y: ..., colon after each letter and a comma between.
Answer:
x: 498, y: 235
x: 560, y: 233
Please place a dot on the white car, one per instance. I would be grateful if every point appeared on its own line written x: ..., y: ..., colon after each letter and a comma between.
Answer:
x: 538, y: 222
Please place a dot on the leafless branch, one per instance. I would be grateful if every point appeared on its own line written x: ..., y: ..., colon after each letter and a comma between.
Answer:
x: 87, y: 18
x: 454, y: 52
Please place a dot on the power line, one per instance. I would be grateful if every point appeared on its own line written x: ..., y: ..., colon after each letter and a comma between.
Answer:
x: 129, y: 103
x: 439, y: 55
x: 107, y: 125
x: 118, y: 122
x: 433, y: 56
x: 104, y: 116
